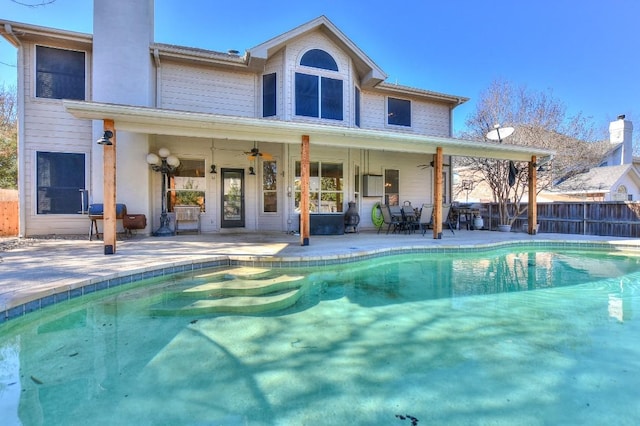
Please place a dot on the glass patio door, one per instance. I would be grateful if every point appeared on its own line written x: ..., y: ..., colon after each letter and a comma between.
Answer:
x: 232, y: 198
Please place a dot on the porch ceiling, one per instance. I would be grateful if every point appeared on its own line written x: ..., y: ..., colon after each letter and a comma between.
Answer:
x: 180, y: 123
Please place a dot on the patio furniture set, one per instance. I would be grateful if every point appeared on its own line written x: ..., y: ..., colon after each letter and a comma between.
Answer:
x: 407, y: 219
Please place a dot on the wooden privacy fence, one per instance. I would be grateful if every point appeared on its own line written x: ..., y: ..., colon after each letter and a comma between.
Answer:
x: 8, y: 213
x: 612, y: 218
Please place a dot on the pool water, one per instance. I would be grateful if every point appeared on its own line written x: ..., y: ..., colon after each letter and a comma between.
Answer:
x: 498, y: 337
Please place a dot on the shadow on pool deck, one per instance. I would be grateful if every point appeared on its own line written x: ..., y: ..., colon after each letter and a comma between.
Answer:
x: 35, y: 269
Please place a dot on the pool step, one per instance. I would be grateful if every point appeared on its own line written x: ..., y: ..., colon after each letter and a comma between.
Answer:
x: 239, y: 271
x: 243, y: 287
x: 233, y: 296
x: 190, y: 279
x: 234, y: 305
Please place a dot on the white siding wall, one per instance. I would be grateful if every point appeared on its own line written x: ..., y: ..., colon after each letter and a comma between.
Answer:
x: 372, y: 111
x: 48, y: 127
x: 199, y: 89
x: 427, y: 118
x: 430, y: 118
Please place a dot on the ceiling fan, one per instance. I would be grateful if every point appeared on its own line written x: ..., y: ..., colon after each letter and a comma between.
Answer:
x: 255, y: 153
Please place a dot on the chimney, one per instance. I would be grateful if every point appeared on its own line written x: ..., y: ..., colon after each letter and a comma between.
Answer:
x: 122, y: 70
x: 621, y: 132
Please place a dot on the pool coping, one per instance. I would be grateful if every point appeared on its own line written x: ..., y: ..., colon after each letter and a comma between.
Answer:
x: 23, y: 304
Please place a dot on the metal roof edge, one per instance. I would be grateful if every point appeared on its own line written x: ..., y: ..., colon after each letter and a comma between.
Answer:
x: 35, y: 32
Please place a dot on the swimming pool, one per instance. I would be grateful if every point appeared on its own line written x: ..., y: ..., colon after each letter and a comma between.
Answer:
x: 513, y: 336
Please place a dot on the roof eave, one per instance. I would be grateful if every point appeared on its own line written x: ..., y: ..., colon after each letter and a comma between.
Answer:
x: 181, y: 123
x: 16, y: 33
x: 198, y: 56
x: 414, y: 92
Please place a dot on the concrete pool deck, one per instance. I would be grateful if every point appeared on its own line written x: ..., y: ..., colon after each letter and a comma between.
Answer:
x: 39, y: 272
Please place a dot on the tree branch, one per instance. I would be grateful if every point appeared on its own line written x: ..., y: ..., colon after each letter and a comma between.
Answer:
x: 40, y: 3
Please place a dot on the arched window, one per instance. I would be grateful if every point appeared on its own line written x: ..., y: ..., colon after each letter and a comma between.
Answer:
x: 316, y: 95
x: 317, y: 58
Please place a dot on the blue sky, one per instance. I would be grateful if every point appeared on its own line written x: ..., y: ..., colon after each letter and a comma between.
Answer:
x: 586, y: 52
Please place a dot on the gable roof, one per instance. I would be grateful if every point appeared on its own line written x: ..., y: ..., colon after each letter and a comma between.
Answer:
x: 370, y: 74
x: 597, y: 179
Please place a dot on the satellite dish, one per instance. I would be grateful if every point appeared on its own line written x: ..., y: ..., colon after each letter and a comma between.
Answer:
x: 500, y: 133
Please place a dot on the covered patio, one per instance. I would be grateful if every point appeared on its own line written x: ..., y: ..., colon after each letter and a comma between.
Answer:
x: 144, y: 120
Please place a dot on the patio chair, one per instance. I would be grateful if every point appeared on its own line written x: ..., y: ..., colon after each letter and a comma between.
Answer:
x: 446, y: 220
x: 389, y: 219
x: 396, y: 214
x: 410, y: 221
x: 426, y: 218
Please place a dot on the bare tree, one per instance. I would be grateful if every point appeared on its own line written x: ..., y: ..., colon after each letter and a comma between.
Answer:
x: 8, y: 138
x: 539, y: 120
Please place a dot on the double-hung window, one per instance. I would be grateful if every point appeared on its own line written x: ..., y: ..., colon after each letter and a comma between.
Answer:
x: 187, y: 185
x: 269, y: 86
x: 60, y: 179
x: 392, y: 187
x: 319, y: 95
x: 60, y: 73
x: 269, y: 186
x: 399, y: 112
x: 326, y: 193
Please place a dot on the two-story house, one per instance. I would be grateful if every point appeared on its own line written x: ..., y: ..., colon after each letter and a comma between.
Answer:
x: 297, y: 126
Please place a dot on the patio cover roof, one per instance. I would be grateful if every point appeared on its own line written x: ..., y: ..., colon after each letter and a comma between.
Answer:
x: 181, y: 123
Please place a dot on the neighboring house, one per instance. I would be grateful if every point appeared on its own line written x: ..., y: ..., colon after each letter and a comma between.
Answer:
x: 617, y: 178
x: 245, y: 127
x: 609, y: 183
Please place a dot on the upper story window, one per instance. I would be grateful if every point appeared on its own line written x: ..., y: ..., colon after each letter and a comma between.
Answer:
x: 269, y: 95
x: 399, y: 112
x: 319, y: 95
x: 317, y: 58
x: 60, y: 74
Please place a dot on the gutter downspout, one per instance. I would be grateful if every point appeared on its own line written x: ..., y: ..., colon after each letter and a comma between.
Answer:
x: 156, y: 60
x: 451, y: 120
x: 22, y: 211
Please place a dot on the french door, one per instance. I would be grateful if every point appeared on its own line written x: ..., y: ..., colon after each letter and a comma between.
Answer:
x: 232, y: 213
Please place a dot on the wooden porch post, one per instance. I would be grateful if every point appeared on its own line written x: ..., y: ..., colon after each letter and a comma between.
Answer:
x: 304, y: 191
x: 437, y: 195
x: 532, y: 211
x: 109, y: 212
